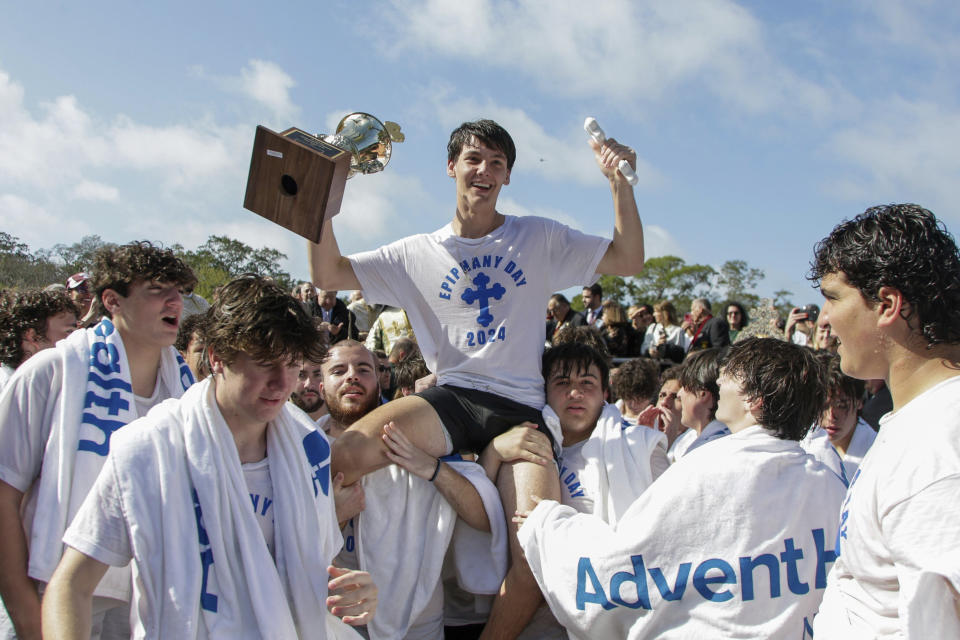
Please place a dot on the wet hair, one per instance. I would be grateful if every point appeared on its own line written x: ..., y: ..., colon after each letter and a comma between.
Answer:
x: 119, y: 268
x: 584, y: 335
x: 193, y: 325
x: 572, y: 357
x: 902, y: 246
x: 744, y: 316
x: 836, y: 381
x: 637, y: 378
x: 700, y: 373
x: 786, y: 378
x: 410, y: 369
x: 489, y: 133
x: 24, y: 310
x: 252, y: 315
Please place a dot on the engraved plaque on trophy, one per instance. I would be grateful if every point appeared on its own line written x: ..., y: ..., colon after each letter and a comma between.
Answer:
x: 297, y: 179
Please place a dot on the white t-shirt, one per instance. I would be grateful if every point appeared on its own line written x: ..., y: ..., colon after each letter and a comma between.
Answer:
x: 711, y: 432
x: 817, y: 443
x: 900, y: 519
x: 477, y: 304
x: 260, y: 486
x: 6, y: 372
x: 103, y: 533
x: 681, y: 444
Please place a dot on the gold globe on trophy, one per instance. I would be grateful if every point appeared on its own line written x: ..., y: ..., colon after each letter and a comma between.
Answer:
x: 297, y: 179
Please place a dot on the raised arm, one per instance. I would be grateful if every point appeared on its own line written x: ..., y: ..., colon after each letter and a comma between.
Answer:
x: 624, y: 256
x: 456, y: 489
x: 328, y: 269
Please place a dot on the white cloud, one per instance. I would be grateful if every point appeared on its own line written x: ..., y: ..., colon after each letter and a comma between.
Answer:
x: 269, y: 85
x: 383, y: 207
x: 32, y: 223
x: 902, y: 151
x: 631, y: 53
x: 89, y: 190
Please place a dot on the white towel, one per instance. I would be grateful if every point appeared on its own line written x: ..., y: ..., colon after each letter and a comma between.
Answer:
x: 694, y: 555
x: 90, y: 412
x: 210, y: 572
x: 618, y: 461
x: 402, y: 538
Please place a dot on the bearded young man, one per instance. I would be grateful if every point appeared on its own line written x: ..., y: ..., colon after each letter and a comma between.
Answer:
x: 398, y: 526
x: 307, y: 394
x: 474, y: 292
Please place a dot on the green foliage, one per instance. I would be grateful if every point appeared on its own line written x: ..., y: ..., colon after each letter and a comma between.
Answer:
x: 671, y: 278
x: 215, y: 262
x: 737, y: 281
x: 221, y: 258
x: 19, y: 268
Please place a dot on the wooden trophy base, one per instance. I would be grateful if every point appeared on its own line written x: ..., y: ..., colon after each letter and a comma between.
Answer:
x: 296, y: 180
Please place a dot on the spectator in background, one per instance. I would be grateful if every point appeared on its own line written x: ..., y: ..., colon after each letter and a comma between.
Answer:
x: 592, y: 303
x: 391, y: 325
x: 193, y: 303
x: 340, y: 321
x: 737, y: 318
x: 840, y: 438
x: 669, y: 418
x: 364, y: 313
x: 32, y: 320
x: 308, y: 296
x: 78, y: 288
x: 561, y: 315
x: 635, y: 387
x: 617, y: 332
x: 823, y: 338
x: 801, y: 323
x: 706, y: 331
x: 190, y: 344
x: 384, y: 375
x: 641, y: 317
x: 699, y: 394
x: 408, y: 371
x: 308, y: 393
x: 665, y: 339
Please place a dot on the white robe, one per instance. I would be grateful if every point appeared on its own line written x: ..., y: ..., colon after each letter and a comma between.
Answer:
x: 693, y: 557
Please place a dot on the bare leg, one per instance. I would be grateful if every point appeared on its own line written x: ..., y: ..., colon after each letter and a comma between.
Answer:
x: 519, y: 594
x: 360, y: 449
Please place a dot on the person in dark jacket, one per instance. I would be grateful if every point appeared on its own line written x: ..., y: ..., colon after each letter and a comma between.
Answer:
x: 337, y: 319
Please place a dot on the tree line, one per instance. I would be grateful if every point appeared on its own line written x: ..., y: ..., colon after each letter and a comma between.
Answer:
x: 214, y: 262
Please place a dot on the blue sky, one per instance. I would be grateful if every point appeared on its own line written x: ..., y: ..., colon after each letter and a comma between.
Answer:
x: 758, y: 125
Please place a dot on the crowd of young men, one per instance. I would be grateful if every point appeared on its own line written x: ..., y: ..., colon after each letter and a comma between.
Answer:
x: 356, y: 500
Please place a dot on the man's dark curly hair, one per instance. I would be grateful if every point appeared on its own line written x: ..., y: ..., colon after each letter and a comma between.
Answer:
x: 902, y: 246
x: 486, y: 131
x: 787, y: 379
x: 637, y: 378
x: 119, y: 268
x: 24, y: 310
x: 571, y: 357
x: 252, y: 315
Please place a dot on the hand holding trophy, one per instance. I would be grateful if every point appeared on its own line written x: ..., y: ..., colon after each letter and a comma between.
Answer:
x: 297, y: 179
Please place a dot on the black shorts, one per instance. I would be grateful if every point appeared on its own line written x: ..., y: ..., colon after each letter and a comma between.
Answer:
x: 473, y: 418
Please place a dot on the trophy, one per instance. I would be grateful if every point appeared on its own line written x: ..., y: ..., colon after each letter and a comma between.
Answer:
x: 297, y: 179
